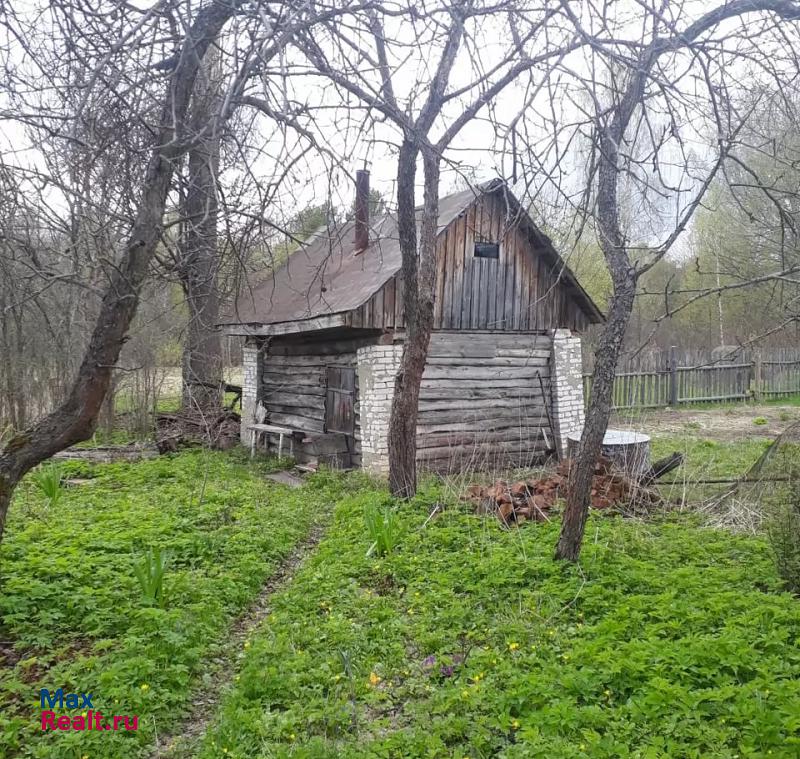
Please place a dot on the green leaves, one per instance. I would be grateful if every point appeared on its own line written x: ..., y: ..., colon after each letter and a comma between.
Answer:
x: 383, y: 528
x: 202, y: 530
x: 150, y: 571
x: 48, y: 478
x: 468, y: 641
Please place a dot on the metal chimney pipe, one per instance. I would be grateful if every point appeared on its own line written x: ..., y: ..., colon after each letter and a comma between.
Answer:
x: 362, y: 210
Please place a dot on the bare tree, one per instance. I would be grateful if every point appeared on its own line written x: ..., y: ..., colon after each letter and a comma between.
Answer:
x: 199, y: 252
x: 365, y: 60
x: 646, y: 75
x: 132, y: 58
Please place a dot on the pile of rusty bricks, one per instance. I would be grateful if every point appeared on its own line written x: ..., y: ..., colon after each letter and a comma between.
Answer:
x: 532, y: 499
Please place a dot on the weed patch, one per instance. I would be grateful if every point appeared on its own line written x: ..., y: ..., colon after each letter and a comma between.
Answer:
x: 74, y: 614
x: 668, y: 640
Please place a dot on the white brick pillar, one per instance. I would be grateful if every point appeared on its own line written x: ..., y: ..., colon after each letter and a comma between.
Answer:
x: 377, y: 367
x: 566, y: 387
x: 252, y: 362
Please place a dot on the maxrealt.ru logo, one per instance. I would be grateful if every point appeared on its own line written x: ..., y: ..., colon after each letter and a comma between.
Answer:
x: 89, y: 719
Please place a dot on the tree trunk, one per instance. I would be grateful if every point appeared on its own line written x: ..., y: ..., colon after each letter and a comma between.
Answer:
x: 199, y: 260
x: 76, y: 418
x: 582, y: 469
x: 419, y: 281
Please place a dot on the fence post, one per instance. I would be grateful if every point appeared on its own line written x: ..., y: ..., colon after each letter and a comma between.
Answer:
x: 673, y: 376
x: 758, y: 378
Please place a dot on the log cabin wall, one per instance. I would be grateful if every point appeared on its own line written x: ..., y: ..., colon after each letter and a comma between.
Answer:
x: 484, y: 401
x: 293, y: 389
x: 520, y: 291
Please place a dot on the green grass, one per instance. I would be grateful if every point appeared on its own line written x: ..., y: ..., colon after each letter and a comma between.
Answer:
x: 73, y: 610
x: 705, y: 459
x: 470, y: 641
x: 466, y: 640
x: 784, y: 400
x: 780, y: 400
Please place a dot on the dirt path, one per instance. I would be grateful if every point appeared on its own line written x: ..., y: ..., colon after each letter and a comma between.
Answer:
x: 222, y: 669
x: 726, y: 423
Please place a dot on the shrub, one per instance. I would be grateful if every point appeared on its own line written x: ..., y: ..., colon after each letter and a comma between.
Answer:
x: 150, y: 573
x: 783, y: 528
x: 759, y: 421
x: 49, y: 480
x: 383, y: 528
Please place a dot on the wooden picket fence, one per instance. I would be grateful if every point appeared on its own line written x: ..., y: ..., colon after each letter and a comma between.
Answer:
x: 672, y: 378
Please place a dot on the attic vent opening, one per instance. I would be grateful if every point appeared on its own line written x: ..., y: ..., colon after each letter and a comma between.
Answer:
x: 487, y: 250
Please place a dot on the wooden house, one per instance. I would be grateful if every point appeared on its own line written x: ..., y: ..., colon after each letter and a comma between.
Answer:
x: 325, y: 331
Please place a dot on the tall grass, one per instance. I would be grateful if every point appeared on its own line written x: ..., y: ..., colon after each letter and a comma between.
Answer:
x: 49, y: 480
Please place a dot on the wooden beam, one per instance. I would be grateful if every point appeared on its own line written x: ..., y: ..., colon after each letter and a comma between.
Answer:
x: 287, y: 328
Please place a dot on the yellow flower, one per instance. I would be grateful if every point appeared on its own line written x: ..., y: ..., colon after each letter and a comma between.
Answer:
x: 291, y: 736
x: 464, y: 694
x: 236, y: 678
x: 513, y: 646
x: 224, y: 751
x: 247, y: 644
x: 607, y: 692
x: 373, y: 678
x: 582, y: 747
x: 144, y: 686
x: 515, y: 725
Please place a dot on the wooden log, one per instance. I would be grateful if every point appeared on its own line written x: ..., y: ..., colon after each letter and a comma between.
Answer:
x: 512, y: 362
x: 474, y: 405
x: 439, y: 391
x: 661, y: 467
x: 530, y: 438
x: 523, y: 384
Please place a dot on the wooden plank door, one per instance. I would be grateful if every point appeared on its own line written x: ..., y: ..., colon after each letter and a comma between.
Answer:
x: 340, y: 414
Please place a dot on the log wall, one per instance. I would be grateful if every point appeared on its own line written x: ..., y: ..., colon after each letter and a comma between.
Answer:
x: 484, y: 401
x: 293, y: 387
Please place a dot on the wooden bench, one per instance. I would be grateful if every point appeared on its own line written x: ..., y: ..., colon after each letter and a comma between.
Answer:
x: 260, y: 426
x: 258, y: 429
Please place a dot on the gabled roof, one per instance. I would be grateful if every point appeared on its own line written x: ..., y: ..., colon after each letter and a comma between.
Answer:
x: 326, y: 277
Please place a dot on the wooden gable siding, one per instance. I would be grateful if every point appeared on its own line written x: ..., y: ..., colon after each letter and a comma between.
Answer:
x: 518, y: 292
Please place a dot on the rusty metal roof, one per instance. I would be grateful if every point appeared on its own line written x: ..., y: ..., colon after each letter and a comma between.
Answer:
x: 326, y: 277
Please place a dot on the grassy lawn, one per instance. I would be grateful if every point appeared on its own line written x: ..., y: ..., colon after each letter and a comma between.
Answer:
x: 468, y: 641
x: 705, y: 459
x: 669, y: 639
x: 71, y: 610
